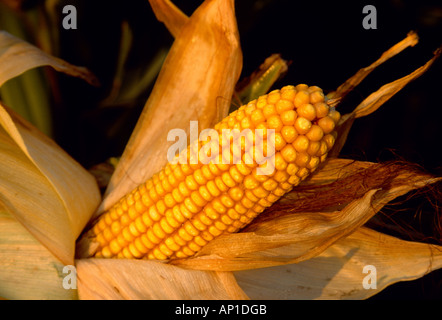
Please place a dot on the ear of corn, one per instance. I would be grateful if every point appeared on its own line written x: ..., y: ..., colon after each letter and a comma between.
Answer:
x: 186, y: 205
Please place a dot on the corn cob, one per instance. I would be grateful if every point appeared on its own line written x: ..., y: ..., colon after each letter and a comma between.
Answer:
x: 184, y: 206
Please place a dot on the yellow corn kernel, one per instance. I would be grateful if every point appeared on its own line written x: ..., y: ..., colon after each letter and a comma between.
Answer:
x: 236, y: 193
x: 301, y: 143
x: 233, y: 214
x: 302, y: 159
x: 315, y: 133
x: 302, y: 86
x: 288, y: 94
x: 316, y: 96
x: 279, y: 141
x: 288, y: 117
x: 270, y: 184
x: 257, y: 117
x: 329, y: 140
x: 303, y: 125
x: 302, y: 173
x: 294, y: 180
x: 280, y: 163
x: 289, y: 133
x: 322, y: 109
x: 280, y: 176
x: 327, y: 124
x: 313, y: 163
x: 250, y: 182
x: 335, y: 115
x: 269, y: 110
x: 227, y: 201
x: 289, y: 153
x: 274, y: 122
x: 323, y: 149
x: 314, y: 147
x: 213, y: 189
x: 283, y: 106
x: 302, y: 97
x: 279, y: 192
x: 307, y: 111
x: 273, y: 97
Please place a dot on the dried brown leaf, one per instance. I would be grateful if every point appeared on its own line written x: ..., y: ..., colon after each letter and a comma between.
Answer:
x: 375, y: 100
x: 378, y: 98
x: 18, y: 56
x: 338, y: 272
x: 334, y: 169
x: 172, y: 17
x: 335, y: 186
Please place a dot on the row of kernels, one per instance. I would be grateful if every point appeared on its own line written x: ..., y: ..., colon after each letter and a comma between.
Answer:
x: 138, y: 224
x: 227, y: 180
x: 216, y: 217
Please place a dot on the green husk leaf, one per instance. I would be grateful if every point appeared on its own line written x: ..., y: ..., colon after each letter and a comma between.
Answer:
x: 260, y: 81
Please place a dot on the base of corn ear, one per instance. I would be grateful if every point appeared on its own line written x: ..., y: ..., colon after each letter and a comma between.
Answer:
x: 184, y: 206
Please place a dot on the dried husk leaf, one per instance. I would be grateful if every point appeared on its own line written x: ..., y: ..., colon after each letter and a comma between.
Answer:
x: 114, y: 279
x: 337, y: 273
x: 374, y: 101
x: 195, y: 83
x: 333, y: 170
x: 27, y: 269
x: 378, y: 98
x: 172, y: 17
x: 409, y: 41
x: 309, y: 219
x: 42, y: 187
x: 18, y: 56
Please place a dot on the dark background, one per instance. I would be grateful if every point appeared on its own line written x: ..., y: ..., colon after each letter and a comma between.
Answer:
x: 325, y: 43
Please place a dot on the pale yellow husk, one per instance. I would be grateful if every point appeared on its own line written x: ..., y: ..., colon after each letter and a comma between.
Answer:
x: 28, y: 270
x: 337, y: 273
x: 46, y: 197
